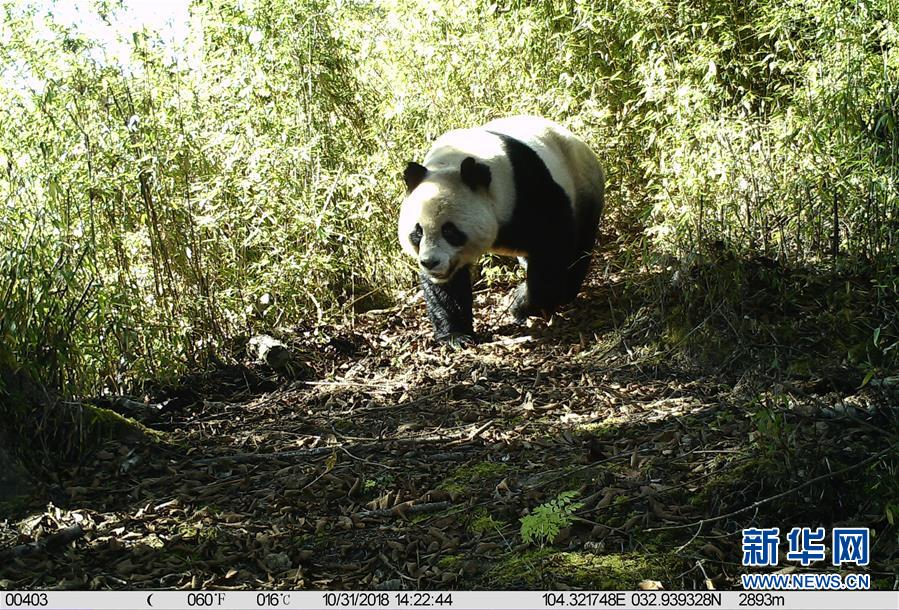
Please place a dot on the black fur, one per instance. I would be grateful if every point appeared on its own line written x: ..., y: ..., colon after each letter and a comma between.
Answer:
x: 475, y: 175
x: 543, y: 224
x: 453, y: 235
x: 449, y: 305
x: 413, y: 175
x: 591, y: 209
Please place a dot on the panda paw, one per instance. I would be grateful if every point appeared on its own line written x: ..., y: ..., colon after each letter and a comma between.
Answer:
x: 456, y: 340
x: 522, y: 308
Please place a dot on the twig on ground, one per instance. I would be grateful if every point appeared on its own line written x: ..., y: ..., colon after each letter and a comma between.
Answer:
x: 474, y: 434
x: 249, y: 458
x: 364, y: 461
x: 507, y: 342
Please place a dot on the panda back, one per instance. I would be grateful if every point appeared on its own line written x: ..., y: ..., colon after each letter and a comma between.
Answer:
x: 569, y: 161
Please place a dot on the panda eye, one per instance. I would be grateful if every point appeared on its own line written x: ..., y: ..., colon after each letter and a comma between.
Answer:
x: 453, y: 235
x: 415, y: 235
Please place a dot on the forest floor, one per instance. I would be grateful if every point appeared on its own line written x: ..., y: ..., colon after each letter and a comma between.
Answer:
x: 395, y: 463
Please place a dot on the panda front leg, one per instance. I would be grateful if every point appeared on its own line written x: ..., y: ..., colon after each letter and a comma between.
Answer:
x: 544, y: 289
x: 450, y: 307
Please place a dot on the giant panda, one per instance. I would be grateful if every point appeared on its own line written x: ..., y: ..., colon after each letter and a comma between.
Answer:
x: 521, y: 186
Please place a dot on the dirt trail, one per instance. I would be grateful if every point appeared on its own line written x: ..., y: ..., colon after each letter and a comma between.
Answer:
x: 408, y: 465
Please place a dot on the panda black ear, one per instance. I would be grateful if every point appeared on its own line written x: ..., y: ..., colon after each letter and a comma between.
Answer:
x: 413, y: 175
x: 475, y: 174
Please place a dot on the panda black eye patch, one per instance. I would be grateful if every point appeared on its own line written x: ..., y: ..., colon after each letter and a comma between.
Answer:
x: 415, y: 235
x: 453, y: 235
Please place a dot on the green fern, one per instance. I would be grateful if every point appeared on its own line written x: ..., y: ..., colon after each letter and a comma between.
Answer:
x: 544, y: 524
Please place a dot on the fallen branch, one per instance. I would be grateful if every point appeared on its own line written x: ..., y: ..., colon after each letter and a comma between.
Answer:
x: 405, y: 509
x: 280, y: 358
x: 141, y: 411
x: 56, y: 539
x: 783, y: 494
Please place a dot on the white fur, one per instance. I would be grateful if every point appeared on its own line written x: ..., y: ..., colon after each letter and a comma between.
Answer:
x: 443, y: 197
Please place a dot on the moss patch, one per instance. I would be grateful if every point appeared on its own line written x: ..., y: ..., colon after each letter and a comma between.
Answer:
x: 518, y: 570
x: 484, y: 523
x: 472, y: 476
x: 105, y: 424
x: 450, y: 563
x: 606, y: 572
x: 604, y: 429
x: 581, y: 570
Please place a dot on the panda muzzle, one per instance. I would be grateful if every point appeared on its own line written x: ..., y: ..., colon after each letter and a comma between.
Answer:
x: 442, y: 277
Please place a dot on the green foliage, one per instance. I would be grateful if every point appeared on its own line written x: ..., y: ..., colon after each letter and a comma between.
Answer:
x: 543, y: 525
x: 483, y: 522
x: 773, y: 434
x: 164, y: 198
x: 149, y: 206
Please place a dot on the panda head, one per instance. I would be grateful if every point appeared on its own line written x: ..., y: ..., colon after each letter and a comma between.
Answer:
x: 447, y: 219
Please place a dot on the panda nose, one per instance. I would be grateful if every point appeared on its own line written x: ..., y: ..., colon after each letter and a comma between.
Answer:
x: 429, y: 263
